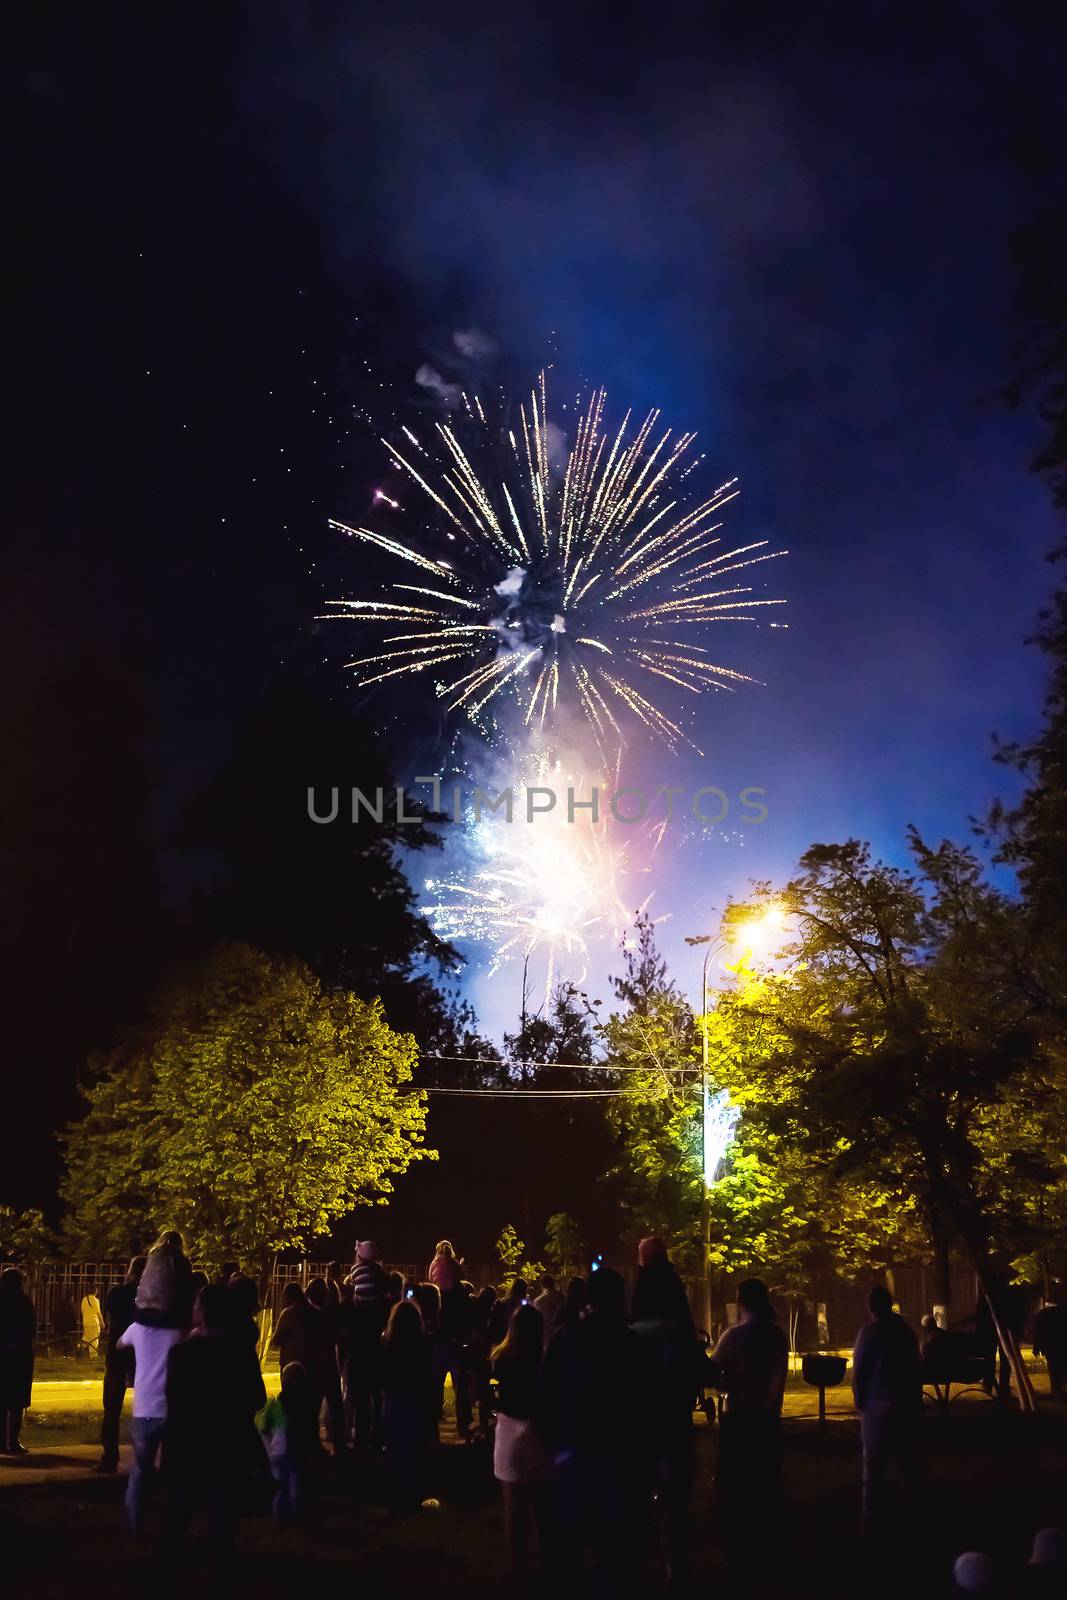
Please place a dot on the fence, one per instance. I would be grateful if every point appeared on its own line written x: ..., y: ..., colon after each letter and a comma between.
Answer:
x: 57, y: 1290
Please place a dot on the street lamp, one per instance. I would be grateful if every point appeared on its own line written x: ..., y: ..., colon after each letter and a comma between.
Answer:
x: 714, y: 946
x: 757, y: 934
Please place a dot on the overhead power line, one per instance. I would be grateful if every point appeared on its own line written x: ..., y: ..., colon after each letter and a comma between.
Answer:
x: 566, y: 1066
x: 533, y: 1094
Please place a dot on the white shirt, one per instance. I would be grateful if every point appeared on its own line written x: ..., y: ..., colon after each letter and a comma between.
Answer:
x: 151, y: 1347
x: 754, y: 1357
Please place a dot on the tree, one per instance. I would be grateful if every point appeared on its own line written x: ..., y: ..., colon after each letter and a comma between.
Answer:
x: 511, y: 1250
x: 335, y: 894
x: 656, y: 1119
x: 1039, y: 251
x: 903, y: 1013
x: 25, y: 1237
x: 544, y: 1053
x: 1032, y: 835
x: 564, y: 1246
x: 81, y: 884
x: 253, y: 1109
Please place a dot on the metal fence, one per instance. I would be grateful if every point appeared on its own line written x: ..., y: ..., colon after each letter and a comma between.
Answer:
x: 57, y: 1290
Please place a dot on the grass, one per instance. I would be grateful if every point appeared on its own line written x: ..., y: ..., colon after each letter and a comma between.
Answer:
x: 993, y: 1478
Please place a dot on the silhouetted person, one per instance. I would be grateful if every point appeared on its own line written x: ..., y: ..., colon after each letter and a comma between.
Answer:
x: 444, y: 1270
x: 18, y: 1329
x: 213, y: 1390
x: 660, y: 1314
x: 658, y: 1285
x: 1046, y: 1570
x: 887, y: 1387
x: 282, y: 1424
x: 549, y: 1302
x: 326, y: 1374
x: 1011, y: 1309
x: 118, y: 1363
x: 753, y: 1358
x: 504, y: 1309
x: 165, y: 1292
x: 92, y: 1316
x: 477, y: 1356
x: 1050, y: 1339
x: 151, y: 1345
x: 600, y: 1400
x: 574, y: 1304
x: 295, y: 1341
x: 371, y: 1289
x: 457, y: 1313
x: 242, y: 1302
x: 65, y: 1317
x: 407, y: 1380
x: 522, y: 1464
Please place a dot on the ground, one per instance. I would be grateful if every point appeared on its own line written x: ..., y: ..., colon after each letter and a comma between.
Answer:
x: 993, y: 1478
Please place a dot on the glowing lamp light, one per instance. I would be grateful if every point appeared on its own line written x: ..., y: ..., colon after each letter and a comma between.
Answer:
x: 720, y: 1121
x: 756, y: 936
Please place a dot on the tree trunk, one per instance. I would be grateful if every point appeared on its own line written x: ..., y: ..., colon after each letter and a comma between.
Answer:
x: 1046, y: 1278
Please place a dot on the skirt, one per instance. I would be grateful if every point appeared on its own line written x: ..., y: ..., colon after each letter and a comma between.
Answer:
x: 520, y: 1455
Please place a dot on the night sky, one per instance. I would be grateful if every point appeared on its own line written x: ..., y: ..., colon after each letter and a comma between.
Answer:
x: 241, y: 230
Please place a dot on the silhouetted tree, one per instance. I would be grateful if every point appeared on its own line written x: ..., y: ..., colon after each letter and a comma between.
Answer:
x: 333, y: 893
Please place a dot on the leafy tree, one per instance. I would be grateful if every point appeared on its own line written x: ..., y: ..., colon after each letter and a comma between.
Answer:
x: 509, y: 1248
x: 1032, y: 835
x: 511, y: 1251
x: 903, y: 1013
x: 564, y: 1035
x: 776, y: 1211
x: 543, y: 1054
x: 25, y: 1236
x: 1022, y: 1138
x: 565, y: 1246
x: 656, y: 1120
x: 253, y: 1109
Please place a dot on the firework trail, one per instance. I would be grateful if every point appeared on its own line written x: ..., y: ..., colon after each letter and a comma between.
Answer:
x: 546, y: 587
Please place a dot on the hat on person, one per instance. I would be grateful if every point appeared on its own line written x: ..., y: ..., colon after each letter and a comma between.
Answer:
x: 976, y: 1573
x: 650, y: 1250
x: 366, y: 1250
x: 1050, y: 1549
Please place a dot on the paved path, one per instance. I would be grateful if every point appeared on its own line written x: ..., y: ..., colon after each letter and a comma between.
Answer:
x: 84, y: 1394
x: 56, y: 1464
x: 64, y: 1461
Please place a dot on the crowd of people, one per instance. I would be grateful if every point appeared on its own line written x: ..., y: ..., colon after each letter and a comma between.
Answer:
x: 586, y: 1405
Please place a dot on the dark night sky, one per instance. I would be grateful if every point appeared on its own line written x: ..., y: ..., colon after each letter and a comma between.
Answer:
x: 241, y: 226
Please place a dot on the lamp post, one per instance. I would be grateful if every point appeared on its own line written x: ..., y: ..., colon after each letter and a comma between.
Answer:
x: 757, y: 930
x: 714, y: 945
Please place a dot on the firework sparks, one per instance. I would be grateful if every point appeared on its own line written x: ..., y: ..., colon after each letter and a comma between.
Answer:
x: 550, y: 890
x: 583, y: 586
